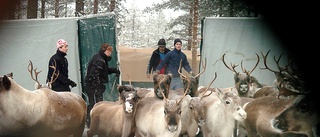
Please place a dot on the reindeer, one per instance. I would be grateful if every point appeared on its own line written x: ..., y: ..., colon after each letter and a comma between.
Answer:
x: 161, y: 83
x: 193, y: 113
x: 115, y: 118
x: 194, y: 80
x: 244, y: 82
x: 302, y: 117
x: 159, y: 118
x: 222, y: 109
x: 270, y: 116
x: 39, y: 113
x: 49, y: 83
x: 286, y: 80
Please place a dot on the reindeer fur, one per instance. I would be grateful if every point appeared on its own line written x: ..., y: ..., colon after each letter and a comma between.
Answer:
x: 114, y: 118
x: 39, y: 113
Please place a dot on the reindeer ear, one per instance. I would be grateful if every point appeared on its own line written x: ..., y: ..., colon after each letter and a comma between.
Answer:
x: 121, y: 88
x: 220, y: 93
x: 10, y: 75
x: 236, y: 77
x: 6, y: 82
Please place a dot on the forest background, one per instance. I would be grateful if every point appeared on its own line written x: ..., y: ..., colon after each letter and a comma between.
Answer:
x: 139, y: 28
x: 294, y: 21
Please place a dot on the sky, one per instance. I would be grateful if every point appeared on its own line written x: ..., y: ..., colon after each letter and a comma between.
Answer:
x: 141, y: 4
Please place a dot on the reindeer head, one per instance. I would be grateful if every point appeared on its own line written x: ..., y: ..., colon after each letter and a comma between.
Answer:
x: 197, y: 106
x: 38, y: 85
x: 194, y: 81
x: 161, y: 81
x: 287, y: 78
x: 232, y: 103
x: 243, y: 80
x: 5, y: 83
x: 128, y: 94
x: 172, y: 110
x: 303, y: 116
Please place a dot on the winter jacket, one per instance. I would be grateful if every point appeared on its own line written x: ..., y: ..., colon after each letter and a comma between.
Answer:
x: 172, y: 61
x: 62, y: 82
x: 155, y: 59
x: 98, y: 70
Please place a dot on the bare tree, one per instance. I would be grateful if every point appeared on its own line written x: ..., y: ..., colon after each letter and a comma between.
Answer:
x: 79, y: 8
x: 43, y: 5
x: 95, y: 7
x: 32, y: 9
x: 194, y: 33
x: 112, y: 5
x: 56, y: 8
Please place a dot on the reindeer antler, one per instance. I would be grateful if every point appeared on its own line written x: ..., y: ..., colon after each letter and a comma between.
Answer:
x: 55, y: 75
x: 185, y: 92
x: 31, y: 70
x: 164, y: 97
x: 184, y: 76
x: 249, y: 72
x: 204, y: 64
x: 129, y: 79
x: 232, y: 65
x: 215, y: 77
x: 277, y: 62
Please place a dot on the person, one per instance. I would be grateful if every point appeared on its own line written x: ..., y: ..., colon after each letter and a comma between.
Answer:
x: 97, y: 75
x: 172, y: 61
x: 58, y: 77
x: 157, y: 57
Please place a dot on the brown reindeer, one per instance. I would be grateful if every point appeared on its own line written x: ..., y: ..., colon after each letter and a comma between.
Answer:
x: 39, y: 113
x: 244, y: 81
x: 161, y: 84
x: 302, y: 117
x: 115, y: 119
x: 194, y: 80
x: 159, y: 118
x: 287, y: 81
x: 272, y: 117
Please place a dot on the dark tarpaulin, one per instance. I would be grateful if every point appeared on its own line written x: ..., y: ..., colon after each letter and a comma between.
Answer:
x: 94, y: 31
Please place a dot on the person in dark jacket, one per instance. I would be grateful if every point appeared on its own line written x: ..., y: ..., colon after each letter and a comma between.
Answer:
x: 156, y: 57
x: 58, y: 77
x: 172, y: 61
x: 97, y: 75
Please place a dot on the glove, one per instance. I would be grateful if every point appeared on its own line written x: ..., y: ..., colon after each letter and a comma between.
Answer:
x: 72, y: 84
x: 118, y: 73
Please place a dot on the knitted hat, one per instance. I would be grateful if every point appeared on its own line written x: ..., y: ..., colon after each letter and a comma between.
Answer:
x: 162, y: 42
x: 177, y: 40
x: 61, y: 42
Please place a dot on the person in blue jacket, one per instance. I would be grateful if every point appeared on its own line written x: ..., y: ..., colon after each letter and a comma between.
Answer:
x: 172, y: 62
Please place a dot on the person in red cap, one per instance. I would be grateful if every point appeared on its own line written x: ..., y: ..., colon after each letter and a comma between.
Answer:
x: 156, y: 57
x: 58, y: 72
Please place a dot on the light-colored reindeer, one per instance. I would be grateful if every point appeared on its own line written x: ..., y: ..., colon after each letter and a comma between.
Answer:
x: 222, y: 109
x: 39, y: 113
x: 158, y: 118
x: 115, y: 119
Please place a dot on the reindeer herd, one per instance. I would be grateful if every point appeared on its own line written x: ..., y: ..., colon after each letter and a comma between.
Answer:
x: 247, y: 109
